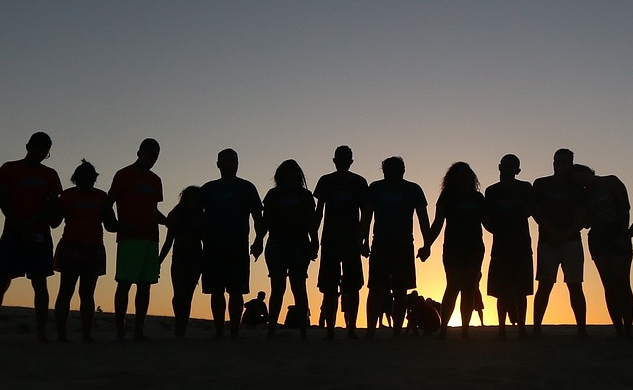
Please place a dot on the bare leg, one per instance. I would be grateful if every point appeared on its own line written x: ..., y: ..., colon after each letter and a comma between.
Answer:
x: 375, y: 299
x: 218, y: 308
x: 541, y: 298
x: 121, y: 297
x: 87, y: 287
x: 466, y: 307
x: 277, y: 291
x: 299, y: 291
x: 579, y: 306
x: 67, y: 285
x: 41, y: 306
x: 353, y: 301
x: 502, y: 313
x: 141, y: 302
x: 236, y: 304
x: 399, y: 310
x: 330, y: 307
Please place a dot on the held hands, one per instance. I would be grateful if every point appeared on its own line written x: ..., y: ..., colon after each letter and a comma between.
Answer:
x: 364, y: 248
x: 424, y: 253
x: 257, y: 248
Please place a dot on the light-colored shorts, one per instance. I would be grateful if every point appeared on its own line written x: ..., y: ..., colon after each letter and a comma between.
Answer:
x: 568, y: 255
x: 137, y: 261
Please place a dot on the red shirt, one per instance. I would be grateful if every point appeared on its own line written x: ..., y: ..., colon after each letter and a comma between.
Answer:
x: 28, y: 189
x: 137, y: 194
x: 83, y: 214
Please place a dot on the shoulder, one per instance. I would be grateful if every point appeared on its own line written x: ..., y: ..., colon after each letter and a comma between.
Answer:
x: 359, y: 179
x: 543, y: 181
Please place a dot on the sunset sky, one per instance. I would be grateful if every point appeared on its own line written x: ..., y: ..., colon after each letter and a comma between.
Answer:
x: 432, y: 81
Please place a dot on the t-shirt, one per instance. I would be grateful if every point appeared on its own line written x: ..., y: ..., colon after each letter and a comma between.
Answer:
x: 343, y: 194
x: 83, y: 214
x: 607, y: 201
x: 464, y: 212
x: 509, y: 206
x: 557, y: 203
x: 228, y: 205
x: 186, y: 228
x: 288, y: 214
x: 393, y: 204
x: 137, y: 194
x: 28, y: 188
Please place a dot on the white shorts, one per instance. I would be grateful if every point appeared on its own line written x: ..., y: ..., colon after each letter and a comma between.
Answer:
x: 569, y: 255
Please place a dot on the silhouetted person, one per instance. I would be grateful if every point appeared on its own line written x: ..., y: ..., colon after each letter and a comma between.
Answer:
x: 421, y: 315
x: 137, y: 190
x: 229, y: 203
x: 28, y: 193
x: 256, y: 312
x: 341, y: 194
x: 80, y: 254
x: 461, y: 205
x: 510, y: 275
x: 392, y: 202
x: 289, y: 215
x: 185, y: 224
x: 609, y: 242
x: 558, y: 211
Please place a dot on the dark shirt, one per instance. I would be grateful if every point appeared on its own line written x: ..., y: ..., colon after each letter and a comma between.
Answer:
x: 393, y: 204
x: 464, y: 212
x: 288, y: 213
x: 558, y: 203
x: 228, y: 205
x: 509, y: 205
x: 343, y: 194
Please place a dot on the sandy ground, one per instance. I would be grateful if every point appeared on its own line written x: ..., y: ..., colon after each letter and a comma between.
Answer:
x: 557, y: 359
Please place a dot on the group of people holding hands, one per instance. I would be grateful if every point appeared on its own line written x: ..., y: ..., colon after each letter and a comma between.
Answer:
x: 208, y: 234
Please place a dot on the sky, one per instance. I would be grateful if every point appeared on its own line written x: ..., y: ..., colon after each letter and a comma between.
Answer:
x: 434, y: 82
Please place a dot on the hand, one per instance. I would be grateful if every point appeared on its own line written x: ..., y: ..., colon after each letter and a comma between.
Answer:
x: 424, y: 253
x: 256, y: 249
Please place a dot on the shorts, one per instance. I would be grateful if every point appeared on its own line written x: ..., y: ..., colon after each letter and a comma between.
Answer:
x: 19, y: 257
x: 226, y: 269
x: 333, y: 261
x: 392, y: 266
x: 463, y: 278
x: 569, y: 255
x: 287, y: 259
x: 80, y: 259
x: 185, y: 273
x: 137, y: 261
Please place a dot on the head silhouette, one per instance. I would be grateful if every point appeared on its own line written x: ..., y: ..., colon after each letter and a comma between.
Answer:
x: 38, y: 147
x: 460, y: 177
x: 343, y: 158
x: 85, y: 175
x: 228, y: 163
x: 563, y: 160
x: 393, y: 168
x: 289, y: 175
x: 509, y: 166
x: 147, y: 153
x: 582, y: 175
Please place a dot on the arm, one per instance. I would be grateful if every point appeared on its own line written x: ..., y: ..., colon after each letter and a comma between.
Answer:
x: 313, y: 232
x: 169, y: 241
x: 425, y: 229
x: 436, y: 226
x: 318, y: 216
x: 260, y: 232
x: 363, y: 235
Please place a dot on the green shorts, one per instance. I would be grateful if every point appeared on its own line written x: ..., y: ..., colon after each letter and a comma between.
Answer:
x: 137, y: 261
